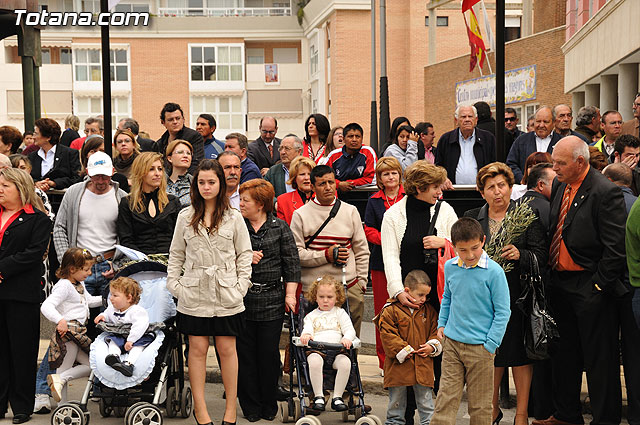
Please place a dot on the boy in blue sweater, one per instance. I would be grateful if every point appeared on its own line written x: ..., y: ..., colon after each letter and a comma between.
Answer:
x: 473, y: 317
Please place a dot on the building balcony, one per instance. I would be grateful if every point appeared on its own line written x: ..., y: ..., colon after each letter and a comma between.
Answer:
x: 224, y: 11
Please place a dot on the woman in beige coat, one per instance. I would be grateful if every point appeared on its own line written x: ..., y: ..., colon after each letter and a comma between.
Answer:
x: 209, y: 273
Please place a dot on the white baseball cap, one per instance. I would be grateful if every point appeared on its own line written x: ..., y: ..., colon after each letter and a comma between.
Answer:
x: 100, y: 163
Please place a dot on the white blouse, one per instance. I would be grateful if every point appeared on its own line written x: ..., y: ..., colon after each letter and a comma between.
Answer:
x: 66, y: 303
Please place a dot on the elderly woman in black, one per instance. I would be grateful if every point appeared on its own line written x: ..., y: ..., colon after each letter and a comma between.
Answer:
x: 494, y: 182
x: 276, y: 272
x: 147, y: 217
x: 24, y: 237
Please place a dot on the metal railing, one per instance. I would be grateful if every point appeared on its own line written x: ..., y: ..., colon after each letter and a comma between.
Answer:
x: 224, y: 11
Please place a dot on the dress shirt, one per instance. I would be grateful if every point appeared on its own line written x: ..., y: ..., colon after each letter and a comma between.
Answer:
x: 234, y: 200
x: 543, y: 144
x: 48, y: 160
x: 467, y: 165
x: 288, y: 187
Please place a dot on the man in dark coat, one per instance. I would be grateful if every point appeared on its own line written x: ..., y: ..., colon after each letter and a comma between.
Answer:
x: 542, y: 139
x: 466, y: 149
x: 146, y: 145
x: 264, y: 150
x: 587, y: 262
x: 172, y: 117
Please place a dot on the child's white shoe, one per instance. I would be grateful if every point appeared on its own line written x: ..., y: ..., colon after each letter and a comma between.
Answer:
x: 55, y: 384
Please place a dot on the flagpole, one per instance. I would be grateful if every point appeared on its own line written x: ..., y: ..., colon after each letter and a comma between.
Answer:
x: 106, y: 80
x: 500, y: 68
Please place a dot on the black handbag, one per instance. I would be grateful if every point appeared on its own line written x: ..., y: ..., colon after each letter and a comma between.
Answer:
x: 541, y: 331
x: 431, y: 255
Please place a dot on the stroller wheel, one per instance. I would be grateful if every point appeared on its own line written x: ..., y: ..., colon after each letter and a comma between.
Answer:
x: 105, y: 408
x: 375, y: 419
x: 345, y: 416
x: 68, y: 414
x: 289, y: 411
x: 309, y: 420
x: 357, y: 412
x: 366, y: 420
x: 131, y: 409
x: 147, y: 414
x: 186, y: 402
x: 171, y: 404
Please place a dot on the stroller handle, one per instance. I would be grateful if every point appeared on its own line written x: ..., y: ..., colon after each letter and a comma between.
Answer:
x: 324, y: 345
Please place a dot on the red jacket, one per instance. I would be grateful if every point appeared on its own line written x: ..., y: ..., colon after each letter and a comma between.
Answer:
x: 287, y: 204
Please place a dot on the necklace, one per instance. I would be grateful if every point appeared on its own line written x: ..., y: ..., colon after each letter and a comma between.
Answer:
x: 395, y: 199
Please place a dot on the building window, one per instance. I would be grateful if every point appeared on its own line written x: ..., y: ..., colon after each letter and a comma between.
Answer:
x: 128, y: 7
x: 46, y: 56
x: 441, y: 21
x: 118, y: 61
x: 86, y: 107
x: 285, y: 55
x: 227, y: 110
x: 88, y: 65
x: 65, y: 56
x: 255, y: 56
x: 216, y: 63
x: 313, y: 60
x: 91, y: 6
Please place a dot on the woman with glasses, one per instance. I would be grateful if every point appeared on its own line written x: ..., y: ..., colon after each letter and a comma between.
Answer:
x: 179, y: 154
x: 275, y: 272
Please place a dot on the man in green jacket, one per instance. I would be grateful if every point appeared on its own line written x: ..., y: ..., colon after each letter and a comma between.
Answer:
x: 290, y: 147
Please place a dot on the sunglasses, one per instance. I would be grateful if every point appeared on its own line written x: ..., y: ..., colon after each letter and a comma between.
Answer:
x: 508, y: 119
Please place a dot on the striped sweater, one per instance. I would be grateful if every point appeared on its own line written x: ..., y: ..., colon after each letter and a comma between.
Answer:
x: 344, y: 229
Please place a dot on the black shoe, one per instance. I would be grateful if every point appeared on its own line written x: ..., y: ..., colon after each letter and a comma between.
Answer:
x: 318, y: 404
x: 282, y: 394
x: 21, y: 418
x: 253, y: 418
x: 111, y: 359
x: 268, y: 417
x: 124, y: 368
x: 198, y: 423
x: 498, y: 418
x: 338, y: 405
x: 229, y: 423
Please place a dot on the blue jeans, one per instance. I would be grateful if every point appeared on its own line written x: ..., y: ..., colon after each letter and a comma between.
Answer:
x: 41, y: 378
x: 398, y: 404
x: 96, y: 283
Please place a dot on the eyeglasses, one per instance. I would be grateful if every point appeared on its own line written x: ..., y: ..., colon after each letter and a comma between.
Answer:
x: 285, y: 148
x: 268, y: 131
x: 188, y: 153
x: 636, y: 105
x: 508, y: 119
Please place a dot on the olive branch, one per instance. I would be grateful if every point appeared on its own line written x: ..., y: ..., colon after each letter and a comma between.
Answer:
x: 514, y: 224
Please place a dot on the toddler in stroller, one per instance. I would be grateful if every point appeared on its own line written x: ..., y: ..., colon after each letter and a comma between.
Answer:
x: 124, y: 309
x: 328, y: 323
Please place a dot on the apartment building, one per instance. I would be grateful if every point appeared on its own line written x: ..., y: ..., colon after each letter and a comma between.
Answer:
x: 238, y: 60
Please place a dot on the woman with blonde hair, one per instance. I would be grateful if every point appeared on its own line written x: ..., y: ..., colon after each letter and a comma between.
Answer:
x: 495, y: 183
x: 179, y: 154
x: 147, y: 217
x: 25, y: 235
x: 423, y: 246
x: 389, y: 181
x: 126, y: 151
x: 300, y: 180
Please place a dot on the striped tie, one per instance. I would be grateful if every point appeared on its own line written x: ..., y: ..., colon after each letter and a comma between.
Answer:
x: 554, y: 250
x: 270, y: 147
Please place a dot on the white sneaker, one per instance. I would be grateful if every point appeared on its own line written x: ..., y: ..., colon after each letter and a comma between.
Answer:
x: 55, y: 384
x: 42, y: 404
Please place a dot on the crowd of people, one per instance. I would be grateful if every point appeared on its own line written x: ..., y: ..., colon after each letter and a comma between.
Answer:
x: 248, y: 226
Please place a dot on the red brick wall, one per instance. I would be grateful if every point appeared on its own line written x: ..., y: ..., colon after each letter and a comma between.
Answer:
x: 550, y: 14
x: 440, y: 79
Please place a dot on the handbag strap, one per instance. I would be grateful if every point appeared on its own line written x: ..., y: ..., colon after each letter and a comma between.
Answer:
x: 432, y: 225
x: 332, y: 214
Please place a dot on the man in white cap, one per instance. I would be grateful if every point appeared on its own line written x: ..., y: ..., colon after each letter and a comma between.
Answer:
x: 87, y: 219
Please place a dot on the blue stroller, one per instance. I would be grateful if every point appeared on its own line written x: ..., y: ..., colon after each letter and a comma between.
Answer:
x: 302, y: 413
x: 158, y: 379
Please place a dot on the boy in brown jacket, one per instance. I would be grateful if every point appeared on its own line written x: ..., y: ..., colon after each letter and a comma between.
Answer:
x: 409, y: 339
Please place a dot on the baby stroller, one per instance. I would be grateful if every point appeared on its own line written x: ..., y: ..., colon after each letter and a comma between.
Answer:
x: 158, y: 378
x: 302, y: 413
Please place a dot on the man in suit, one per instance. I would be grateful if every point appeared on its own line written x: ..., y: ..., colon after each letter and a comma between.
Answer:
x: 588, y: 122
x: 146, y: 145
x: 542, y: 139
x: 53, y: 166
x: 466, y: 149
x: 512, y: 132
x: 172, y: 118
x: 264, y: 151
x: 587, y: 262
x: 278, y: 174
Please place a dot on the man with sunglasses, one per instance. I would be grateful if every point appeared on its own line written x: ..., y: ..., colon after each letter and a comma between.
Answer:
x: 512, y: 132
x: 264, y: 150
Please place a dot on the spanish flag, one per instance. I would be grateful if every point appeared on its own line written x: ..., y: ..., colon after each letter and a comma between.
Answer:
x: 478, y: 50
